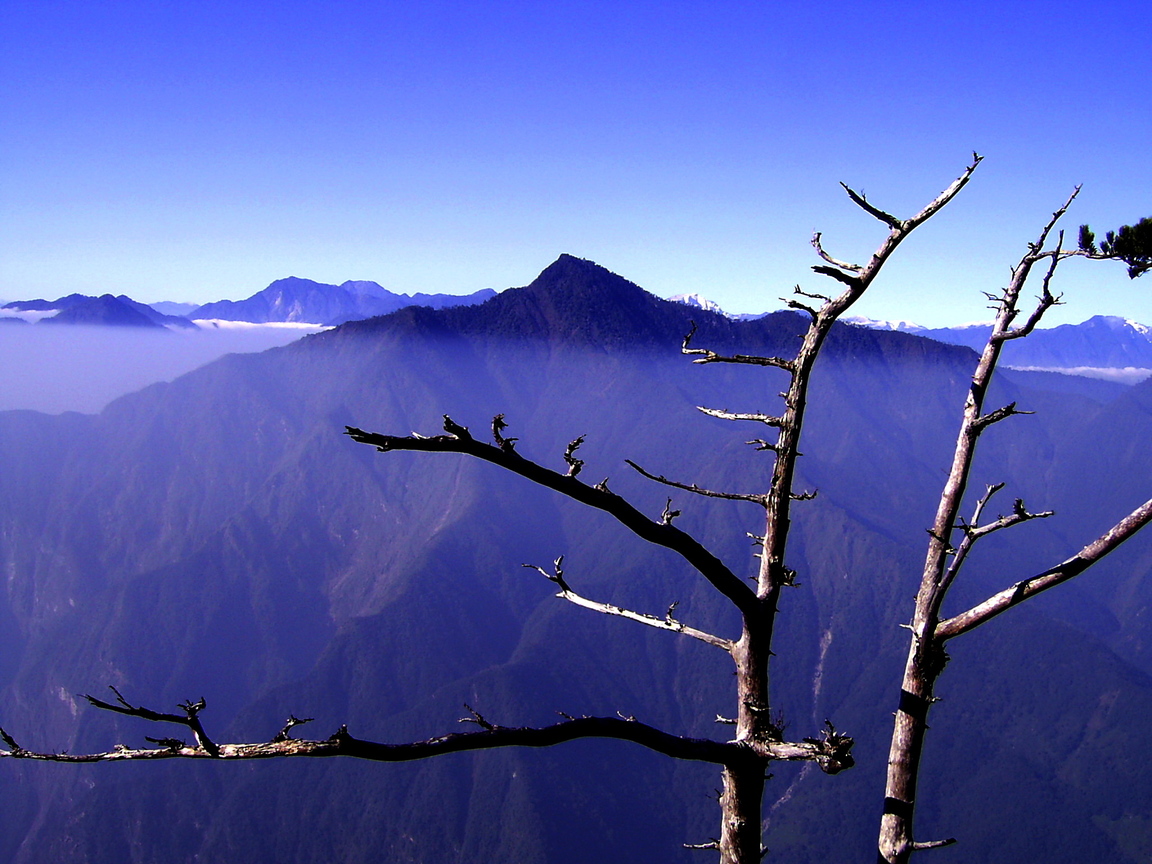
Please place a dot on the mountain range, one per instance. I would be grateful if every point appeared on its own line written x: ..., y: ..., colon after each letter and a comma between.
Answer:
x: 104, y: 310
x: 218, y: 537
x: 1102, y: 342
x: 303, y: 300
x: 1107, y: 347
x: 290, y: 300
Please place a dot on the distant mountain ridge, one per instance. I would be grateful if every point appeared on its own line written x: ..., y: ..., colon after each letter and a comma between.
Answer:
x: 303, y: 300
x: 104, y: 310
x: 291, y: 300
x: 1100, y: 343
x: 1104, y: 346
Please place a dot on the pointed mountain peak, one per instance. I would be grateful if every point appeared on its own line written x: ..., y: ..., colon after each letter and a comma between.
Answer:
x: 571, y: 275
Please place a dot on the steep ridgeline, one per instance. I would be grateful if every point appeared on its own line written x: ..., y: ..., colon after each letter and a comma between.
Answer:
x: 302, y: 300
x: 219, y: 537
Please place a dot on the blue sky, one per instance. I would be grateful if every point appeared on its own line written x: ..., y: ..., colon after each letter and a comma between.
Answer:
x: 195, y: 151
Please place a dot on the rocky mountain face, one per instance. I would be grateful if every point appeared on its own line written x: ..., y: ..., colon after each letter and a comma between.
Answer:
x: 304, y: 300
x: 219, y: 537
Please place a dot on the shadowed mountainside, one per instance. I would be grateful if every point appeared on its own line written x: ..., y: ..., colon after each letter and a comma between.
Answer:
x: 218, y: 536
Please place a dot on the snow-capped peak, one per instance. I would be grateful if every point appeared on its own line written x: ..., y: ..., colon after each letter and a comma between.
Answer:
x: 699, y: 302
x: 878, y: 324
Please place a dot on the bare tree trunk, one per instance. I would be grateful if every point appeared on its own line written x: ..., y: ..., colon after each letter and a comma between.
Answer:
x: 926, y: 655
x: 896, y: 843
x: 741, y: 803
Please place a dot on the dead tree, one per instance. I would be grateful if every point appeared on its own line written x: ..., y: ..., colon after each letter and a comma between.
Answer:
x: 951, y: 537
x: 756, y: 740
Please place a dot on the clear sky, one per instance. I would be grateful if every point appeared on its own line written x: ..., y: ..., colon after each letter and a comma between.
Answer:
x: 199, y: 150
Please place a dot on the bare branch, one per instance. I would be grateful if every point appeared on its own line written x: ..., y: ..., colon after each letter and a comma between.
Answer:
x: 477, y: 718
x: 557, y: 574
x: 944, y: 197
x: 1009, y: 410
x: 861, y: 201
x: 498, y: 427
x: 190, y: 718
x: 1044, y: 302
x: 831, y: 753
x: 990, y: 490
x: 1074, y: 566
x: 843, y: 265
x: 692, y: 487
x: 708, y: 356
x: 666, y: 623
x: 802, y: 307
x: 293, y: 721
x: 973, y: 531
x: 761, y: 444
x: 14, y: 748
x: 812, y: 294
x: 574, y: 464
x: 766, y: 419
x: 492, y: 736
x: 932, y: 844
x: 839, y: 275
x: 458, y: 440
x: 711, y: 844
x: 746, y: 359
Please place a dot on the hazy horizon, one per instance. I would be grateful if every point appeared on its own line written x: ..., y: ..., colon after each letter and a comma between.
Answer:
x: 198, y: 153
x: 83, y: 368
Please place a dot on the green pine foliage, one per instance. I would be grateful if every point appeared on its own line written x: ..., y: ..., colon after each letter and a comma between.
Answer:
x: 1132, y: 244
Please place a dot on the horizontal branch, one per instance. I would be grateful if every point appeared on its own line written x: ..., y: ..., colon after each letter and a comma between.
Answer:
x: 983, y: 422
x: 708, y: 356
x: 932, y: 844
x: 849, y: 279
x: 697, y: 490
x: 665, y: 623
x: 459, y: 440
x: 766, y: 419
x: 831, y: 753
x: 489, y: 737
x: 1074, y: 566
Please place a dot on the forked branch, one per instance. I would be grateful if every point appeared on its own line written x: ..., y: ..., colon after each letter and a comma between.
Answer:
x: 191, y: 717
x: 974, y: 530
x: 1026, y: 588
